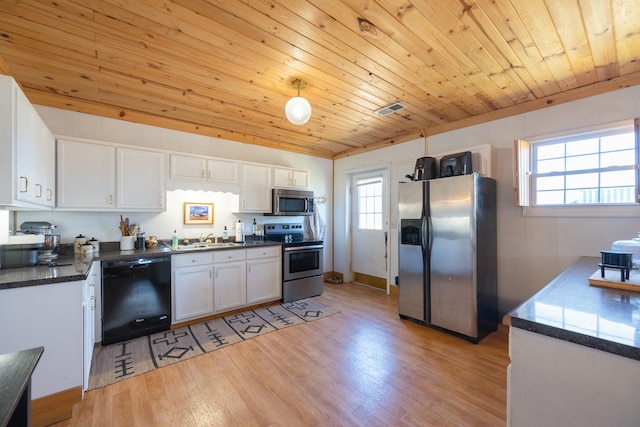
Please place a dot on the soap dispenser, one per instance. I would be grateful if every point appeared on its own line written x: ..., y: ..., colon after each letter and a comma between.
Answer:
x: 174, y: 239
x: 225, y: 235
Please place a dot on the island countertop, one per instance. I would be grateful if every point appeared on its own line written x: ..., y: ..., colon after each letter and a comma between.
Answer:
x: 570, y: 309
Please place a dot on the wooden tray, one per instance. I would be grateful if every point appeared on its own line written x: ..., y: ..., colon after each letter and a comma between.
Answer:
x: 611, y: 279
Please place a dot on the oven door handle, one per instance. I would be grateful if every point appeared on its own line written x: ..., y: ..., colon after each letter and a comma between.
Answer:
x: 301, y: 248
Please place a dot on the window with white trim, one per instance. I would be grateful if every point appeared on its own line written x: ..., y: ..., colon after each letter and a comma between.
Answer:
x: 587, y: 169
x: 369, y: 204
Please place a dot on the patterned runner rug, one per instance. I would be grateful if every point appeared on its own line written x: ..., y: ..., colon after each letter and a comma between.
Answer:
x: 127, y: 359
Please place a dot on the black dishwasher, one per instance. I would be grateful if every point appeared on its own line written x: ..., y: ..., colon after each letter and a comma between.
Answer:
x: 136, y: 298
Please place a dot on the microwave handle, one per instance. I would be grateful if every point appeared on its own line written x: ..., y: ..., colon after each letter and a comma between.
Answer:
x: 306, y: 204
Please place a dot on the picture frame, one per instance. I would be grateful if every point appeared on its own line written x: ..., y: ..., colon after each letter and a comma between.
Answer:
x: 198, y: 213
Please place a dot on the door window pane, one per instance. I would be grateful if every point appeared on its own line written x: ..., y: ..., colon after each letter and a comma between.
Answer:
x: 370, y: 204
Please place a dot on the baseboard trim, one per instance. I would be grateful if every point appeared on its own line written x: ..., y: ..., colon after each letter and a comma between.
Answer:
x: 55, y: 407
x: 373, y: 281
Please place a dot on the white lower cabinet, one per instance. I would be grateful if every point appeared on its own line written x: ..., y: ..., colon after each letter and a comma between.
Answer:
x: 192, y: 286
x: 51, y: 316
x: 264, y: 274
x: 230, y: 280
x: 205, y: 283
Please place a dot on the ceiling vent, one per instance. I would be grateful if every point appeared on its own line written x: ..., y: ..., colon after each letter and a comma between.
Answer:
x: 396, y: 106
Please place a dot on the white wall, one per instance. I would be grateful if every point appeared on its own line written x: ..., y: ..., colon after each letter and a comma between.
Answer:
x: 531, y: 250
x: 103, y: 225
x: 395, y: 158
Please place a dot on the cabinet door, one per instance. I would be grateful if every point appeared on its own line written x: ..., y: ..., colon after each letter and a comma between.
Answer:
x: 86, y: 175
x: 281, y: 177
x: 46, y: 166
x: 193, y: 292
x: 290, y: 178
x: 229, y: 286
x: 300, y: 179
x: 140, y: 179
x: 26, y: 148
x: 188, y: 167
x: 264, y: 281
x: 222, y: 171
x: 50, y: 315
x: 255, y: 188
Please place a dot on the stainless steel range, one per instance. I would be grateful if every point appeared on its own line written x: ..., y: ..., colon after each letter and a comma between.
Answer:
x: 302, y: 265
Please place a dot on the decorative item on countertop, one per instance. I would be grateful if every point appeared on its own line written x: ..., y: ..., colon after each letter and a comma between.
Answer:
x: 619, y: 260
x: 86, y: 249
x: 631, y: 245
x: 152, y: 242
x: 96, y: 245
x: 78, y: 242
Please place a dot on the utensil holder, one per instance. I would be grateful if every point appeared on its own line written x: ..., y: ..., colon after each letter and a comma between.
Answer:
x: 127, y: 243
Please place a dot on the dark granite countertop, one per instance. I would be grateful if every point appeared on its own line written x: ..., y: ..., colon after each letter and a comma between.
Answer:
x: 73, y: 267
x: 572, y: 310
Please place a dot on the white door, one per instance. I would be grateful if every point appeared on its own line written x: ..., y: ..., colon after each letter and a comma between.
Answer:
x: 369, y: 228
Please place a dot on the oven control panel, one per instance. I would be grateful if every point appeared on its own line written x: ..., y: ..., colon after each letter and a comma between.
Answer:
x: 284, y: 233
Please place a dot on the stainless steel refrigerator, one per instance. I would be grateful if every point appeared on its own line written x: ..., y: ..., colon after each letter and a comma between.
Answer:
x: 447, y: 254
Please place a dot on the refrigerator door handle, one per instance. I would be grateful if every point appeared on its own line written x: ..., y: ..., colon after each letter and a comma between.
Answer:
x: 424, y: 234
x: 429, y: 234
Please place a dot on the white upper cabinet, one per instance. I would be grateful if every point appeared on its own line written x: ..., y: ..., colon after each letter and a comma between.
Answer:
x: 188, y: 167
x: 255, y: 188
x: 140, y: 179
x: 86, y: 175
x: 202, y: 169
x: 290, y: 178
x: 98, y: 176
x: 27, y: 150
x: 222, y: 171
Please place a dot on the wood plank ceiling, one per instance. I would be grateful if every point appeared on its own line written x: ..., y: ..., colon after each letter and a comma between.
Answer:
x: 225, y: 68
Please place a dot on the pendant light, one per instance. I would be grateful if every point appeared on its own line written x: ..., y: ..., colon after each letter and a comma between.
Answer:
x: 298, y: 109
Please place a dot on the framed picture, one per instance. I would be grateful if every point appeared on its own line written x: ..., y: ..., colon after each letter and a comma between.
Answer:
x: 198, y: 213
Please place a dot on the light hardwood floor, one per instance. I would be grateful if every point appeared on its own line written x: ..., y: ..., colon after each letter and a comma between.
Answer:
x: 363, y: 367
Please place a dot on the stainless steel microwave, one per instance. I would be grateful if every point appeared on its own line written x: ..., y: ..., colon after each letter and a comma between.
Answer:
x: 291, y: 202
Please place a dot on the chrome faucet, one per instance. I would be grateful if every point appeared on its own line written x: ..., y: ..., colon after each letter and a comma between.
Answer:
x: 202, y: 239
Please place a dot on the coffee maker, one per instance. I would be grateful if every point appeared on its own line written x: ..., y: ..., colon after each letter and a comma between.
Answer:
x: 49, y: 250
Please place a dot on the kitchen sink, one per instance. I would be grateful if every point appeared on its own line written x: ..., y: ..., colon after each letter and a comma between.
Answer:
x: 200, y: 246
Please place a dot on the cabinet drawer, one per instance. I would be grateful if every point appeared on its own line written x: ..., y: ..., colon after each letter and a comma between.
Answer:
x: 225, y: 256
x: 266, y: 252
x: 187, y: 260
